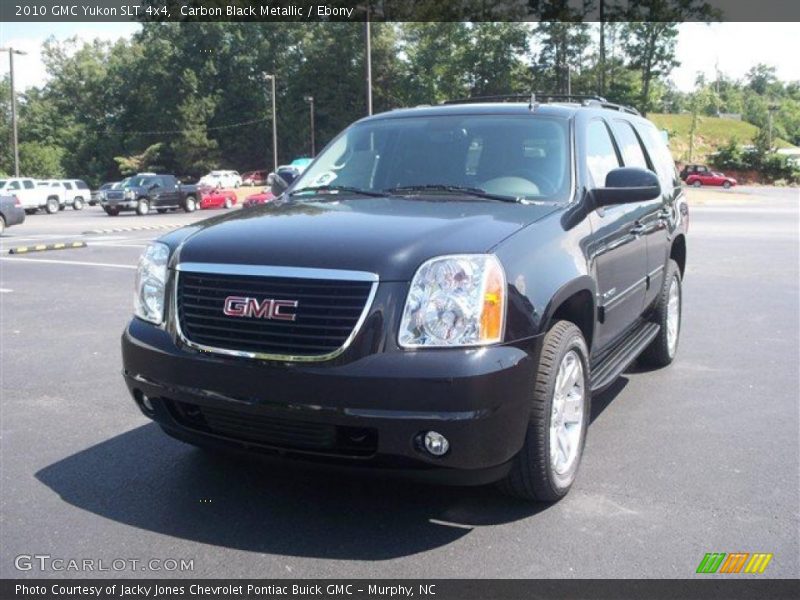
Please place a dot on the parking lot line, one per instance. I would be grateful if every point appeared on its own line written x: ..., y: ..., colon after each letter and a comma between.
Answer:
x: 66, y: 262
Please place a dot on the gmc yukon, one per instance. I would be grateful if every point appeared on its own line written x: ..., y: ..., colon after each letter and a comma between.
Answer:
x: 438, y: 295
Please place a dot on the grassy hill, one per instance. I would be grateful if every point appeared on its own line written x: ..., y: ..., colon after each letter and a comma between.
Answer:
x: 711, y: 134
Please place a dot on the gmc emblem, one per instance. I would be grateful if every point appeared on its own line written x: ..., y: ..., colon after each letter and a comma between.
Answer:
x: 241, y: 306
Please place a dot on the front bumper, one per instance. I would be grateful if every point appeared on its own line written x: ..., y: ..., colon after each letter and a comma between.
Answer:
x: 478, y: 398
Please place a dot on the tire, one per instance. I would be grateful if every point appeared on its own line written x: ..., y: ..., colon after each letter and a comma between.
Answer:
x: 697, y: 183
x: 228, y: 203
x: 2, y: 224
x: 663, y: 348
x: 538, y: 473
x: 161, y: 211
x: 142, y: 207
x: 190, y: 204
x: 111, y: 212
x: 727, y: 185
x: 52, y: 206
x: 77, y: 204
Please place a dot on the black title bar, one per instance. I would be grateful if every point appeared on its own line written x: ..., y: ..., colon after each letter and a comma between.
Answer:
x: 702, y: 588
x: 398, y: 10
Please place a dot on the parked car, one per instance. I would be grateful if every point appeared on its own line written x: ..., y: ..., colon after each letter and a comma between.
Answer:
x: 261, y: 197
x: 411, y: 307
x: 221, y: 179
x: 216, y: 198
x: 11, y: 212
x: 144, y: 193
x: 255, y: 177
x: 710, y: 178
x: 97, y: 195
x: 692, y: 169
x: 76, y: 193
x: 32, y: 197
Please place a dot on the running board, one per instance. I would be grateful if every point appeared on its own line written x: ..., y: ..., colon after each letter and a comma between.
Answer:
x: 605, y: 372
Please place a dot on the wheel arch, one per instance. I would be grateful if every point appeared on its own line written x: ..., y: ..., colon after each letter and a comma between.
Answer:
x: 574, y: 302
x: 677, y: 253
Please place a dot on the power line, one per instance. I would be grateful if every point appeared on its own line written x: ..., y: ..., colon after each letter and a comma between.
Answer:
x: 174, y: 131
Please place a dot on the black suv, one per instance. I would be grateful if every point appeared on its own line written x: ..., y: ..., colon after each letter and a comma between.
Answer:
x: 148, y: 191
x: 438, y: 295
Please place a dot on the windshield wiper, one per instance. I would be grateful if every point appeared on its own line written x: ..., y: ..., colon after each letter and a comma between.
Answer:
x: 337, y: 189
x: 453, y: 189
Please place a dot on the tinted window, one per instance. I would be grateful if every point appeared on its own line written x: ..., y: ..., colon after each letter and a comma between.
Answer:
x: 81, y: 185
x: 14, y: 185
x: 629, y: 145
x: 28, y: 184
x: 601, y: 157
x: 521, y: 156
x: 67, y: 185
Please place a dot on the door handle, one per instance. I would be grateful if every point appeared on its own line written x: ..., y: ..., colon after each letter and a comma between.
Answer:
x: 638, y: 229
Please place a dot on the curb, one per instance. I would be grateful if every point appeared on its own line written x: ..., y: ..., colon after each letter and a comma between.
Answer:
x: 140, y: 228
x: 43, y: 247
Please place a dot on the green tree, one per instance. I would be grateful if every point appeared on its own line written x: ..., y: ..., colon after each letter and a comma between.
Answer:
x: 562, y: 52
x: 41, y: 161
x: 136, y: 163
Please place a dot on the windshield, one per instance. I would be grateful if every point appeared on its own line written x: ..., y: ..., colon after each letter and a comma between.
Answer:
x: 515, y: 156
x: 134, y: 182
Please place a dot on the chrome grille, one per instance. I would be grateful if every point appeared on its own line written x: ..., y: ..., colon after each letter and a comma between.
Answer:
x: 328, y: 314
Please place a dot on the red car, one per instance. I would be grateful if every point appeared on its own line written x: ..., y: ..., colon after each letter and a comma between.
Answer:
x: 261, y: 197
x: 710, y: 178
x: 215, y: 198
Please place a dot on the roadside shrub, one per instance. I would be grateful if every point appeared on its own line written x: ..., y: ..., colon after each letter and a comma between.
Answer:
x: 729, y: 157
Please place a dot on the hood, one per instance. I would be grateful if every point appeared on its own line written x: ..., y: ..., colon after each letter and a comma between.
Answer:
x: 387, y: 236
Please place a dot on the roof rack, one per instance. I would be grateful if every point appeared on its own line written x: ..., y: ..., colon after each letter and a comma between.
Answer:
x: 612, y: 106
x: 536, y: 97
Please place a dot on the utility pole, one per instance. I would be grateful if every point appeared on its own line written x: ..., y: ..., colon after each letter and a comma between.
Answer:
x: 310, y: 100
x: 602, y: 49
x: 15, y: 141
x: 771, y: 109
x: 271, y: 78
x: 369, y: 65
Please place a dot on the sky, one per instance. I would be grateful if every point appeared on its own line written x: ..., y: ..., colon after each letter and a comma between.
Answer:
x: 736, y: 47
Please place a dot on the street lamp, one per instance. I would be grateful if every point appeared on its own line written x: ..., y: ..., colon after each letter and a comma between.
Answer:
x: 310, y: 100
x: 11, y: 53
x: 271, y: 78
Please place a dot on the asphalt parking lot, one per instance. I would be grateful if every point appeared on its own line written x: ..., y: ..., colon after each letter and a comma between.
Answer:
x: 700, y: 457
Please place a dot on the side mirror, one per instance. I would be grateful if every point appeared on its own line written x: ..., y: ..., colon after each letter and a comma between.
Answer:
x: 277, y: 184
x: 627, y: 185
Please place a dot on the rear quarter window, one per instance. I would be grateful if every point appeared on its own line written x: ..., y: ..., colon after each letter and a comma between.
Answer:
x: 659, y: 154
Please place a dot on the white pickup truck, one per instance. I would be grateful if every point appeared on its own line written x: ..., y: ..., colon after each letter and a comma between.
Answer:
x: 32, y: 196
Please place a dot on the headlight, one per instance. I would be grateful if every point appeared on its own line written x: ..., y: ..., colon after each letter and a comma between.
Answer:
x: 151, y: 283
x: 129, y: 194
x: 457, y: 300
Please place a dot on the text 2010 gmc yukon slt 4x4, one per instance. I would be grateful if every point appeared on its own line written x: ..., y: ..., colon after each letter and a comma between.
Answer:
x: 438, y: 295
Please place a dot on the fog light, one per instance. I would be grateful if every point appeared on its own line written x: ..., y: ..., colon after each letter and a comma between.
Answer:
x: 148, y: 406
x: 436, y: 443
